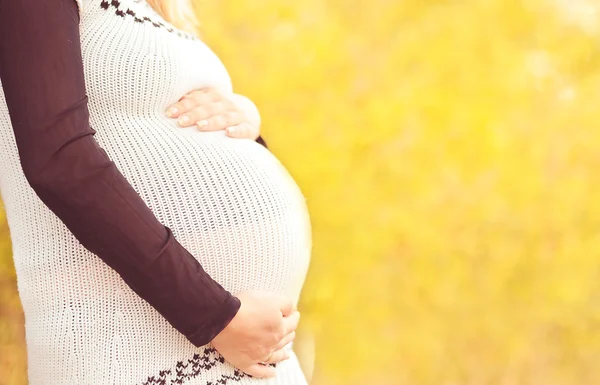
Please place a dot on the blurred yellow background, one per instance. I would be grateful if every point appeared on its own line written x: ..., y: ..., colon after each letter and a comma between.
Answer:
x: 450, y: 152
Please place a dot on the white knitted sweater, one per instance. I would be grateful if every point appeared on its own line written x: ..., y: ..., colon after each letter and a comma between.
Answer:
x: 228, y: 201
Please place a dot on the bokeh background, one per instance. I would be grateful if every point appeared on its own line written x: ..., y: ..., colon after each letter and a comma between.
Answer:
x: 450, y: 154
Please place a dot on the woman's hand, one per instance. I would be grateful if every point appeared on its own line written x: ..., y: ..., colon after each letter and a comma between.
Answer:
x: 212, y: 110
x: 257, y: 335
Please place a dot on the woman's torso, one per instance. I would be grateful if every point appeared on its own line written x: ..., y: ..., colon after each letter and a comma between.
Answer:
x: 228, y: 201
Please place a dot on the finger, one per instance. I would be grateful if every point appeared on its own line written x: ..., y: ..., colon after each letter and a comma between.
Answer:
x: 286, y: 340
x: 213, y: 93
x: 242, y: 130
x: 220, y: 121
x: 201, y: 112
x: 260, y: 371
x: 197, y: 92
x: 290, y: 323
x: 286, y: 306
x: 277, y: 356
x: 190, y: 101
x: 181, y: 107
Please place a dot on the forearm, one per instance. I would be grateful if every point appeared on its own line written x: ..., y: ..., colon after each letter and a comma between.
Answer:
x: 42, y: 78
x: 106, y: 215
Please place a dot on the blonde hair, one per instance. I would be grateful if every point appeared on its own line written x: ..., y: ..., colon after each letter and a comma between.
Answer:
x: 180, y: 13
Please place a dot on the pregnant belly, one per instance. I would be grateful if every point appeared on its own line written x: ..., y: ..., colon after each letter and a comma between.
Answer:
x: 230, y: 202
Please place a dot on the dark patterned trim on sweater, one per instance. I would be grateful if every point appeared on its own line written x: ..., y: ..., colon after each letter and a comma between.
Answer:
x: 193, y: 368
x: 119, y: 11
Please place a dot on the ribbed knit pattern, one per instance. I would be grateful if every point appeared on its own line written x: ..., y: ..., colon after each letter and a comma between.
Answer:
x: 228, y: 201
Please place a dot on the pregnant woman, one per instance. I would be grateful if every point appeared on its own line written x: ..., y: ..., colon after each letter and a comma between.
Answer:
x: 148, y: 250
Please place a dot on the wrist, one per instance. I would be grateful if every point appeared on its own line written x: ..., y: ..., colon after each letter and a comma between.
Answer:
x: 219, y: 321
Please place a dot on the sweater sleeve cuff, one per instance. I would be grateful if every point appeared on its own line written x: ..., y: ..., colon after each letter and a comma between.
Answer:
x: 261, y: 141
x: 206, y: 333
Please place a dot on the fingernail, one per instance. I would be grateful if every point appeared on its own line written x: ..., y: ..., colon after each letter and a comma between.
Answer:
x: 201, y: 124
x: 172, y: 111
x: 183, y: 119
x: 231, y: 130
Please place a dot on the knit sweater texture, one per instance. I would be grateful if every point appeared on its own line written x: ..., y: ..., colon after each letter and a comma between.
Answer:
x: 230, y: 202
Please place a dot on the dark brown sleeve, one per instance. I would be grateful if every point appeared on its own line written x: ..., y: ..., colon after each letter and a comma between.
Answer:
x: 261, y: 141
x: 42, y: 78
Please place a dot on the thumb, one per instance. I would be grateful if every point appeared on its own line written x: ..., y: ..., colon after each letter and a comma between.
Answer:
x: 287, y: 306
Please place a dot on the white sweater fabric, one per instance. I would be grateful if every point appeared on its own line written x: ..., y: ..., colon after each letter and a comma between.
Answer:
x: 228, y: 201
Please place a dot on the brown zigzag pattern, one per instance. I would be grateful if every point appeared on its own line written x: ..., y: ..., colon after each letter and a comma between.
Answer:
x: 194, y: 366
x: 107, y: 4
